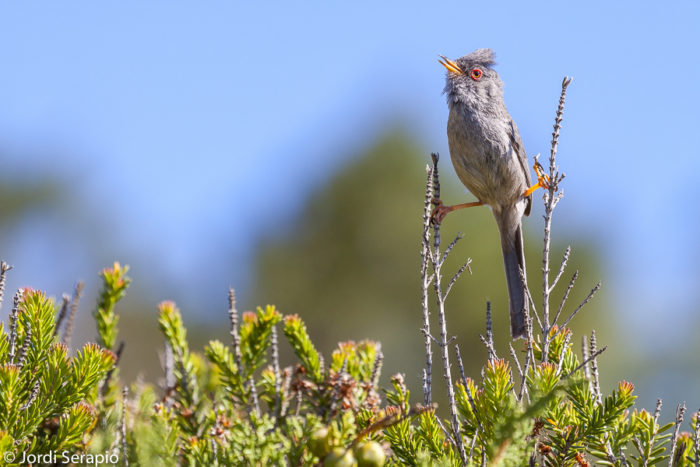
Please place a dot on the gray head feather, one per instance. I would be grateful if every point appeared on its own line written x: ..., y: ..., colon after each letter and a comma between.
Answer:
x: 479, y: 94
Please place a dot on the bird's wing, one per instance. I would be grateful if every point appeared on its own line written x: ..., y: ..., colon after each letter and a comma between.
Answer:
x: 517, y: 145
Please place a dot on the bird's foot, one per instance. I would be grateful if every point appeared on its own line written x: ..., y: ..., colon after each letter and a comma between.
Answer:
x: 441, y: 210
x: 542, y: 180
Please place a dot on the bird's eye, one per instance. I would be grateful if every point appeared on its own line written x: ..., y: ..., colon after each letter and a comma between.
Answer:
x: 476, y: 74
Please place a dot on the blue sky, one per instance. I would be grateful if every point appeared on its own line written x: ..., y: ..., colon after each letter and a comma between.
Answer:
x: 205, y: 123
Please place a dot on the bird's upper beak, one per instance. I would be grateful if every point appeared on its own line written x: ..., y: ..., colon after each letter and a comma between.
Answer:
x: 450, y: 65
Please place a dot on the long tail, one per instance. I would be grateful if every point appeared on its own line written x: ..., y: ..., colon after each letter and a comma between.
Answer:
x: 514, y: 261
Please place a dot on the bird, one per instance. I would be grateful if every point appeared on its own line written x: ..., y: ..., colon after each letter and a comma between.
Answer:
x: 488, y: 156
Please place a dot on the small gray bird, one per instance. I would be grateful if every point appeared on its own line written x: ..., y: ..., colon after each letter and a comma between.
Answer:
x: 488, y: 156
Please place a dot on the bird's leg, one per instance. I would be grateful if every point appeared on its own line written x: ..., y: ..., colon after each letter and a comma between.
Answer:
x: 542, y: 180
x: 441, y: 210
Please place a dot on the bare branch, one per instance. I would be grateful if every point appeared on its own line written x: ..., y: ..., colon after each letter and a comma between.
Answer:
x: 75, y: 300
x: 4, y: 267
x: 680, y: 411
x: 583, y: 303
x: 456, y: 276
x: 587, y: 360
x: 426, y: 280
x: 565, y: 296
x: 564, y: 262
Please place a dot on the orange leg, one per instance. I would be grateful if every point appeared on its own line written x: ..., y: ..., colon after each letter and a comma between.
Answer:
x: 441, y: 210
x: 542, y: 180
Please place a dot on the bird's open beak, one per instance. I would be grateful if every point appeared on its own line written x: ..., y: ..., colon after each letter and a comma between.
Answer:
x: 450, y: 65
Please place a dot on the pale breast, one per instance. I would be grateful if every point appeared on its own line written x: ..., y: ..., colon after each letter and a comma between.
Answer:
x: 484, y: 159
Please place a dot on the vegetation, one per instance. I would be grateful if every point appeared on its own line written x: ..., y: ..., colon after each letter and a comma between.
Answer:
x: 235, y: 404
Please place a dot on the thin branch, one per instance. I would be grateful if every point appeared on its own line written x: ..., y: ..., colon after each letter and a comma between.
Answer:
x: 4, y: 267
x: 565, y: 296
x: 426, y: 279
x: 17, y: 299
x: 594, y: 367
x: 583, y: 303
x: 585, y: 355
x: 236, y: 338
x: 437, y: 284
x: 550, y: 202
x: 449, y: 248
x: 588, y: 360
x: 32, y: 396
x: 276, y: 369
x: 286, y: 381
x: 489, y: 334
x: 515, y: 359
x: 22, y: 356
x: 122, y: 426
x: 696, y: 438
x: 62, y: 312
x: 75, y: 300
x: 471, y: 446
x: 567, y: 338
x: 529, y: 298
x: 457, y: 274
x: 564, y: 261
x: 169, y: 370
x: 680, y: 411
x: 376, y: 369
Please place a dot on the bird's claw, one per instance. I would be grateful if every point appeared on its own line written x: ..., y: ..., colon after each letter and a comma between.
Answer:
x: 543, y: 180
x: 439, y: 212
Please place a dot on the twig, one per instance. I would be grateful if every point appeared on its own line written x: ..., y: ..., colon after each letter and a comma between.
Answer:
x: 437, y: 284
x: 75, y: 300
x: 13, y: 324
x: 276, y: 369
x: 122, y: 426
x: 594, y: 367
x: 523, y: 279
x: 4, y: 267
x: 696, y: 438
x: 567, y: 338
x: 657, y: 411
x: 65, y: 300
x: 32, y: 396
x: 471, y: 446
x: 457, y: 274
x: 565, y: 296
x: 550, y: 202
x: 376, y: 368
x: 578, y: 308
x: 254, y: 395
x: 169, y: 370
x: 488, y: 341
x: 22, y: 356
x: 586, y: 361
x: 233, y: 318
x: 286, y: 381
x: 680, y: 411
x: 515, y: 359
x: 425, y: 283
x: 564, y: 261
x: 585, y: 355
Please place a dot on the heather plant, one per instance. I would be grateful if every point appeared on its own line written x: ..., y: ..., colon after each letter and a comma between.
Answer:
x: 232, y: 403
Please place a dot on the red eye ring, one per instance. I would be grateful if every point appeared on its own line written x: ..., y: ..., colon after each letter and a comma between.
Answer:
x: 476, y: 74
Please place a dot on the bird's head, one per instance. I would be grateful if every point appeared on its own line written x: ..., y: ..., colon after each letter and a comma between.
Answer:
x: 471, y: 78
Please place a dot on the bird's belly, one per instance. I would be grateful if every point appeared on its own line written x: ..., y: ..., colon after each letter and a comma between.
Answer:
x: 490, y: 171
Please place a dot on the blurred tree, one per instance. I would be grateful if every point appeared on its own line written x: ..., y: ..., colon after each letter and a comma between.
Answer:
x: 17, y: 199
x: 350, y: 265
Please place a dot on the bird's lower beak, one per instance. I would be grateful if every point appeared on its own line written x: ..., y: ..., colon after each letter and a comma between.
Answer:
x: 450, y: 65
